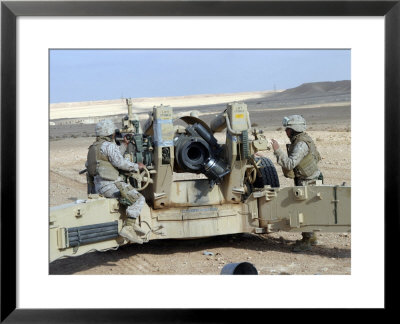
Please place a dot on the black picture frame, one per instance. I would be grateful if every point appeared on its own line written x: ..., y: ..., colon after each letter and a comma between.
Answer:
x: 10, y: 10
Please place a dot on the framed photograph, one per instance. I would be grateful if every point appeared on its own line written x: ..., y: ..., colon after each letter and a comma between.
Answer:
x: 370, y: 30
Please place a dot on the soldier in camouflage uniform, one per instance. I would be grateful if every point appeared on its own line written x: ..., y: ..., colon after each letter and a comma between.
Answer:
x: 105, y: 160
x: 300, y: 164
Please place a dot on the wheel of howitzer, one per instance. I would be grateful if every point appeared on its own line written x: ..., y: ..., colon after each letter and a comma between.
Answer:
x: 269, y: 176
x: 141, y: 179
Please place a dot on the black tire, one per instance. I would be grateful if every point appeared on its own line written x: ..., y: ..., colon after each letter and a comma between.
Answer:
x: 269, y: 176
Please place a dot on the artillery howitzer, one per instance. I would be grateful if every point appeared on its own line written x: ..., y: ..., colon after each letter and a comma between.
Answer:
x: 237, y: 193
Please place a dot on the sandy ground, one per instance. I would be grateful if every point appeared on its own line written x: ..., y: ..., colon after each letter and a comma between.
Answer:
x: 116, y: 107
x: 270, y: 253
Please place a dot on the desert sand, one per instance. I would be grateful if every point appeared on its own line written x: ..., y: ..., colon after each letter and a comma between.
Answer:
x: 140, y: 105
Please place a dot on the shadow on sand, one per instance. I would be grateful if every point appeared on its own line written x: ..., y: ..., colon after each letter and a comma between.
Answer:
x: 254, y: 242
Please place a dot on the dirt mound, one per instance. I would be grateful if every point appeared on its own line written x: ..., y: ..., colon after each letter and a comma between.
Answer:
x: 316, y: 89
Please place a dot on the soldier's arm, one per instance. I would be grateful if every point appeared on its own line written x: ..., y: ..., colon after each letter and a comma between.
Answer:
x: 122, y: 147
x: 291, y: 161
x: 117, y: 160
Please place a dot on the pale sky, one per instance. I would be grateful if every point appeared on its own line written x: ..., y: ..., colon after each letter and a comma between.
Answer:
x: 90, y: 75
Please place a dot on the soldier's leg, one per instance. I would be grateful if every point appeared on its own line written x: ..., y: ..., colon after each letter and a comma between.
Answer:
x: 133, y: 211
x: 138, y: 202
x: 108, y: 190
x: 135, y: 199
x: 308, y: 239
x: 131, y: 230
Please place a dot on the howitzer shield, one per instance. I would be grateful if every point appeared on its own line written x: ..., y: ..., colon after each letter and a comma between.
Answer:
x: 163, y: 132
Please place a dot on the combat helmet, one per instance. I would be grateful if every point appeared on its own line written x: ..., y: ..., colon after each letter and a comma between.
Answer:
x: 105, y: 128
x: 295, y: 122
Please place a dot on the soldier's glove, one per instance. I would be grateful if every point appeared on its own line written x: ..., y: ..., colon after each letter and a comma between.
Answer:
x: 288, y: 173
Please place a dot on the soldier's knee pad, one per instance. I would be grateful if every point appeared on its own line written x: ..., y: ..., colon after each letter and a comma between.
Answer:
x: 135, y: 196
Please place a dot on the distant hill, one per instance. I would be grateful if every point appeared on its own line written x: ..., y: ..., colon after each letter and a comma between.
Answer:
x: 315, y: 89
x: 305, y: 94
x: 313, y: 93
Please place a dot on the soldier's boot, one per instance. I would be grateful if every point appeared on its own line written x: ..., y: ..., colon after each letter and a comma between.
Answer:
x: 128, y: 231
x: 313, y: 239
x: 308, y: 239
x: 139, y: 230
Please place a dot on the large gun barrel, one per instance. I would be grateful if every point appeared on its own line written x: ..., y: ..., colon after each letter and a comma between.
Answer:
x: 197, y: 151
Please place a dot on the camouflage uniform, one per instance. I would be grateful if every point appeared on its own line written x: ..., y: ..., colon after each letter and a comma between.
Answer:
x: 108, y: 188
x: 104, y: 162
x: 300, y: 164
x: 291, y: 161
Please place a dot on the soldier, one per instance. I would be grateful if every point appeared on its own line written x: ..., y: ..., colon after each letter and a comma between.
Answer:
x: 104, y: 163
x: 300, y: 164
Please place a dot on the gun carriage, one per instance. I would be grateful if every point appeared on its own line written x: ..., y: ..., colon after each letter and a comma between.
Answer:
x: 233, y: 192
